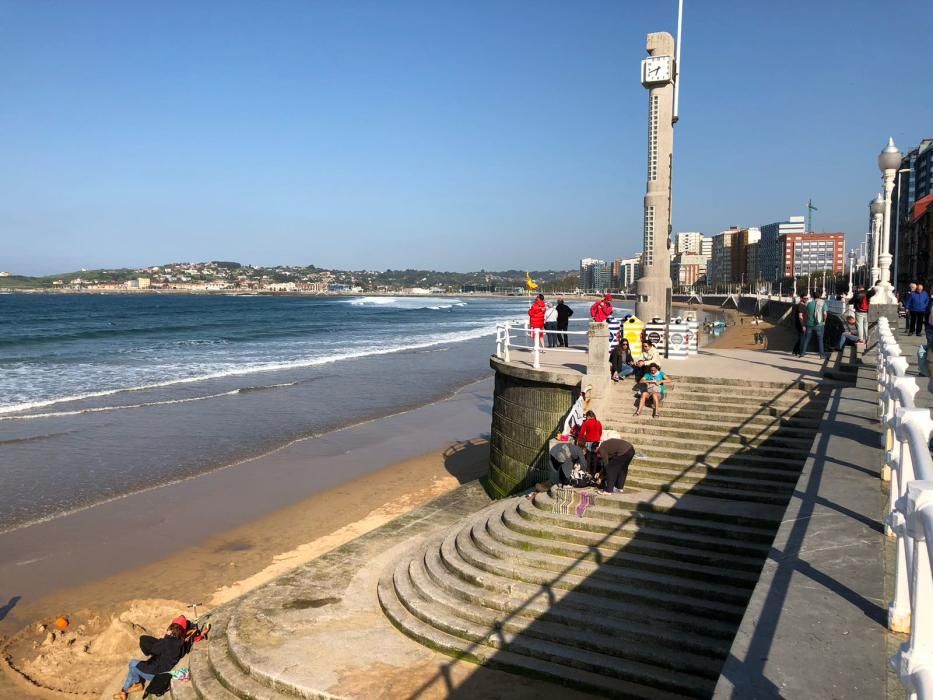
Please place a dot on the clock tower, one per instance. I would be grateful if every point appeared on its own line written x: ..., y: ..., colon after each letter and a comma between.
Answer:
x: 658, y: 72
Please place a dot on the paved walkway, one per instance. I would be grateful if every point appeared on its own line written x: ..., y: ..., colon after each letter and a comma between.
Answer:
x: 815, y: 626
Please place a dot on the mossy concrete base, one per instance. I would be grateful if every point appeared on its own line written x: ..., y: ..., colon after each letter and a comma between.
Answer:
x: 529, y: 407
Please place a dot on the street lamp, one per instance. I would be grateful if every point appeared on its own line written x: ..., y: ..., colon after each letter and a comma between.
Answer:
x: 876, y: 210
x: 889, y: 160
x: 897, y: 221
x: 851, y: 265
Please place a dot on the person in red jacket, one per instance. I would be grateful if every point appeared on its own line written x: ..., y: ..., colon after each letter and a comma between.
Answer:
x: 536, y: 319
x: 591, y: 432
x: 602, y: 309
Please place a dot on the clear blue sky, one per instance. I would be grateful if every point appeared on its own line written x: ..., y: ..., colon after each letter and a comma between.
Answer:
x: 437, y: 134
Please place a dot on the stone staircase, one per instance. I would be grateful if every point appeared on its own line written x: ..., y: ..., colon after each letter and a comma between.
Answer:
x: 632, y: 595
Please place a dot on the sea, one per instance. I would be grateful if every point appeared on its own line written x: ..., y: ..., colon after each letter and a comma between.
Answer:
x: 105, y: 395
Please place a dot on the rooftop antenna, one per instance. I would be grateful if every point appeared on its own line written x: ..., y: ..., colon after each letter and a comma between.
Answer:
x: 810, y: 210
x: 680, y: 25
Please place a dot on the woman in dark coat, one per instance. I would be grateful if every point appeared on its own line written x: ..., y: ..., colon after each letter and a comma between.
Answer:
x: 163, y: 655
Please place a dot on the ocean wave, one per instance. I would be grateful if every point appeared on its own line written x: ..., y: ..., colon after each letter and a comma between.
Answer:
x: 455, y: 337
x: 414, y: 303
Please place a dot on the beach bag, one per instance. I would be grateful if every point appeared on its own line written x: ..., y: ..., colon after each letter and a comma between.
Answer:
x: 923, y: 366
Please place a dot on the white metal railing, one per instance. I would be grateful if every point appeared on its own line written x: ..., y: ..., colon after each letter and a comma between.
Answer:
x: 907, y: 432
x: 509, y: 330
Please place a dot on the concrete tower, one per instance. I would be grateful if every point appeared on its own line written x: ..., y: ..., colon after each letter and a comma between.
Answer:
x: 657, y: 75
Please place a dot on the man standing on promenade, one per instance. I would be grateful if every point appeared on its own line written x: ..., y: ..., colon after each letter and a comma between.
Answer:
x: 799, y: 312
x: 816, y: 324
x: 860, y: 304
x: 911, y: 288
x: 564, y: 313
x: 917, y: 303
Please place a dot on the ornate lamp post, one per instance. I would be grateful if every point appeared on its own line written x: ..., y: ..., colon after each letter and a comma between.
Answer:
x: 888, y: 161
x: 851, y: 266
x: 876, y: 209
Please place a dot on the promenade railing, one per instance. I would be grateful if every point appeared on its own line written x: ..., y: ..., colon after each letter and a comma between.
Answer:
x: 908, y: 464
x: 507, y: 332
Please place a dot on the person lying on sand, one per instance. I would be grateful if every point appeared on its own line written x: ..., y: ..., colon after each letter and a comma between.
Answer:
x: 163, y: 655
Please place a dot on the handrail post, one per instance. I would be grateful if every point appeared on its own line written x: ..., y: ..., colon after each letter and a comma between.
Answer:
x: 536, y: 335
x: 508, y: 340
x: 914, y: 657
x: 499, y: 340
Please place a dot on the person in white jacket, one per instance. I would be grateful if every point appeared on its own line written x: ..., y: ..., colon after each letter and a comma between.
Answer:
x: 550, y: 325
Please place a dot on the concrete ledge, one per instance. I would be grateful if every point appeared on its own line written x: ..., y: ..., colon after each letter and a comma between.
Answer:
x: 547, y: 375
x: 815, y: 625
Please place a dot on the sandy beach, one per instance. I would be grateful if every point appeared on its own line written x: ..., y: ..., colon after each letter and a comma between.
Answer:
x: 216, y: 536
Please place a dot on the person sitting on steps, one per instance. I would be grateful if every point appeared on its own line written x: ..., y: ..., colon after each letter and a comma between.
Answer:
x: 653, y: 382
x: 620, y: 361
x: 647, y: 357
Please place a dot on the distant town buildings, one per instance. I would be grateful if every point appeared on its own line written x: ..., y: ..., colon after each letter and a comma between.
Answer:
x: 6, y: 274
x: 910, y: 232
x: 770, y: 264
x: 809, y: 253
x: 719, y: 270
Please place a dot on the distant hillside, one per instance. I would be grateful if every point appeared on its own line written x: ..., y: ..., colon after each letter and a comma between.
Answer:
x: 368, y: 280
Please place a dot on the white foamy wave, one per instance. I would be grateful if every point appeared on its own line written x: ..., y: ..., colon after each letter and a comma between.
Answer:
x: 104, y: 409
x: 417, y: 344
x: 413, y: 303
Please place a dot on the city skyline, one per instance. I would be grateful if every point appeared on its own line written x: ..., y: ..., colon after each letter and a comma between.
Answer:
x: 455, y: 138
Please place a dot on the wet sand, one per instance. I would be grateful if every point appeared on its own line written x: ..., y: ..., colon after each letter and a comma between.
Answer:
x: 185, y: 540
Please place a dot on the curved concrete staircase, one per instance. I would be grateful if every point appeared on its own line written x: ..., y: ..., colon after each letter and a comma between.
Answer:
x: 633, y: 595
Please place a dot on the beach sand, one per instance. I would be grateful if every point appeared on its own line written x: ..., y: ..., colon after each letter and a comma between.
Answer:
x: 274, y: 526
x: 740, y: 332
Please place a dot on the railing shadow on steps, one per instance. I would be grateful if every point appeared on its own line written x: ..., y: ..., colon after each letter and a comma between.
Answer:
x: 723, y: 548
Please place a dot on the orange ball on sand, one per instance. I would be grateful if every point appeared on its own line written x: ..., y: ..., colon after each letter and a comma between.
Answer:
x: 61, y: 623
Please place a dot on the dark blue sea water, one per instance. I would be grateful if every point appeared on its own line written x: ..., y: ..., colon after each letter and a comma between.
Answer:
x: 103, y: 395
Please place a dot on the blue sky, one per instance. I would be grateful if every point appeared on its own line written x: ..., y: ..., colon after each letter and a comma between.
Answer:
x: 445, y: 135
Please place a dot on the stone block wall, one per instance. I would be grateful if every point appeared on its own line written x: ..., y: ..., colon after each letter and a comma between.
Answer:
x: 526, y: 414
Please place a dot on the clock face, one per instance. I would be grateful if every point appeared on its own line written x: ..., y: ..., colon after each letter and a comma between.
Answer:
x: 656, y: 69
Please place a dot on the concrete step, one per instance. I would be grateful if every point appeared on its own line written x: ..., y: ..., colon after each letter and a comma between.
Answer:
x: 539, y: 619
x: 716, y: 455
x: 658, y: 443
x: 712, y: 390
x: 702, y: 414
x: 669, y: 520
x: 698, y: 401
x: 624, y: 653
x: 513, y: 565
x: 704, y: 421
x: 504, y: 582
x: 650, y: 533
x: 557, y: 556
x: 800, y: 384
x: 707, y: 510
x: 543, y: 527
x: 533, y: 601
x: 517, y: 661
x: 750, y: 495
x: 693, y: 470
x: 717, y: 480
x: 233, y: 677
x: 646, y: 425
